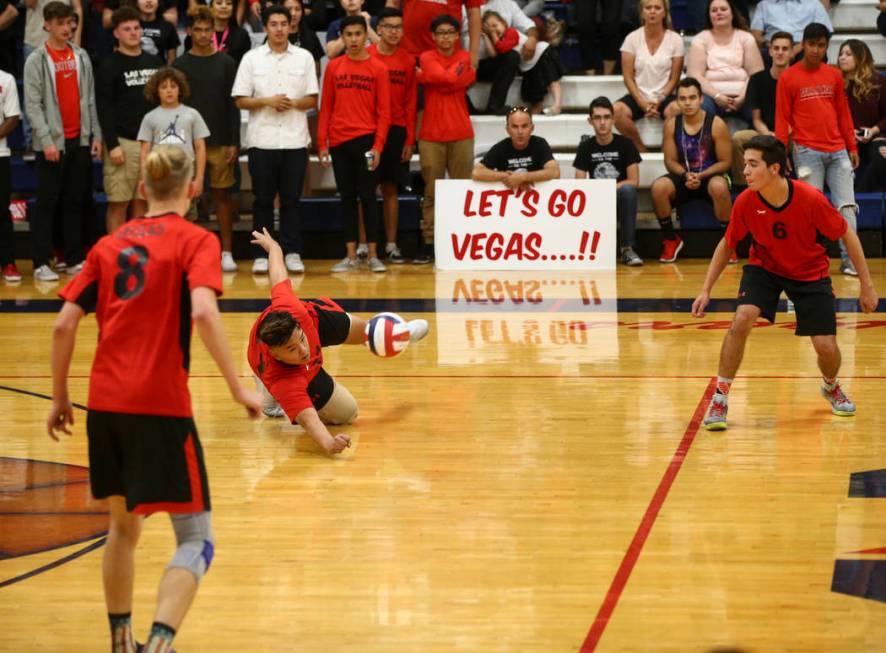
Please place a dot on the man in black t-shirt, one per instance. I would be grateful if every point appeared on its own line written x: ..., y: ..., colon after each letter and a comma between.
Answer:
x: 121, y: 103
x: 760, y: 100
x: 158, y: 35
x: 522, y: 159
x: 211, y: 77
x: 611, y: 156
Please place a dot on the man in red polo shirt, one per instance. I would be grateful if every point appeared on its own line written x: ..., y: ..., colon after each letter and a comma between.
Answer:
x: 786, y: 219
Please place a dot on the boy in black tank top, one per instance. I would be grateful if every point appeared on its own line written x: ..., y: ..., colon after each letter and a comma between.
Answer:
x: 698, y: 155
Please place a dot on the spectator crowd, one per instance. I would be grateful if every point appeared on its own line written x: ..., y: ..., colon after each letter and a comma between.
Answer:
x: 391, y: 80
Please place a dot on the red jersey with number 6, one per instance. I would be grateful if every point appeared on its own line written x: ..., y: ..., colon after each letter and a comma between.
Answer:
x: 139, y: 282
x: 788, y: 240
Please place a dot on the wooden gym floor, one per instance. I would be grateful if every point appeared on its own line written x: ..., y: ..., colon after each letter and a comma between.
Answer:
x: 531, y: 477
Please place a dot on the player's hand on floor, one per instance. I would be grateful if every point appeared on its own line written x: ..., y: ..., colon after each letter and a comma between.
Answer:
x: 337, y: 443
x: 700, y: 303
x: 61, y: 417
x: 251, y: 400
x: 868, y: 299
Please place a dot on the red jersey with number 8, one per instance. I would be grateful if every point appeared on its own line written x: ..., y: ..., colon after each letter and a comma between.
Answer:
x: 138, y: 281
x: 787, y: 240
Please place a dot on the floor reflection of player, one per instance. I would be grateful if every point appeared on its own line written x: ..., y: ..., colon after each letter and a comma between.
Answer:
x: 286, y: 354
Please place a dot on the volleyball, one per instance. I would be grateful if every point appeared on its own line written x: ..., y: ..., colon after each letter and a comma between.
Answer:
x: 386, y: 335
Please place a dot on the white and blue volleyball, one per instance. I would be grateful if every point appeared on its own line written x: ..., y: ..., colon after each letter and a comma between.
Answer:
x: 386, y: 335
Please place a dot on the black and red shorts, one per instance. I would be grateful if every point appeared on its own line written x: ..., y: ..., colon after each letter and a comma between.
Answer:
x: 333, y: 323
x: 813, y: 300
x: 155, y: 462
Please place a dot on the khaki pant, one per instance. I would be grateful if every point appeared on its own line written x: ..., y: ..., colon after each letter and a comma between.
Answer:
x: 454, y: 157
x: 739, y: 139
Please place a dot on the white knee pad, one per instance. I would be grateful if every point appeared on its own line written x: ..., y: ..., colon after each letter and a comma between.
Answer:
x: 196, y: 545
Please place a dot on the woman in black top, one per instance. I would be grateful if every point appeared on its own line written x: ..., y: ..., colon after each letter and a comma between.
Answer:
x: 300, y: 34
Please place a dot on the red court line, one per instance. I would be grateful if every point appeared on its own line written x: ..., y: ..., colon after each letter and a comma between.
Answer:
x: 646, y: 524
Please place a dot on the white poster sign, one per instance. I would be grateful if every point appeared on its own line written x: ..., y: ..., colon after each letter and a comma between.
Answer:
x: 554, y: 225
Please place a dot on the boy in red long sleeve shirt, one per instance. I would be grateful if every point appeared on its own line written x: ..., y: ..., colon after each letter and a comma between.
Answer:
x: 355, y: 114
x: 446, y: 139
x: 811, y: 109
x: 400, y: 143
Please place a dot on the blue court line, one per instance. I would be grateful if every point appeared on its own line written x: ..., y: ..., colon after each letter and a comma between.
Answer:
x: 449, y: 305
x: 57, y: 563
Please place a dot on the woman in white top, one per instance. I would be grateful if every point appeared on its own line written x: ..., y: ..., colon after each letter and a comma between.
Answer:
x: 723, y: 57
x: 651, y: 63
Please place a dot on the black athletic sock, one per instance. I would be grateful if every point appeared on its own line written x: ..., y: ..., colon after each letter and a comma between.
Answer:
x: 122, y: 640
x: 160, y: 639
x: 667, y: 228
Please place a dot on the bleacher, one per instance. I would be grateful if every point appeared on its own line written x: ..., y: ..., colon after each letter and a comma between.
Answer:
x: 851, y: 18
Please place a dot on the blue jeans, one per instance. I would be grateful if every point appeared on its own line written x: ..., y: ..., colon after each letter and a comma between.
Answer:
x: 709, y: 105
x: 626, y: 210
x: 835, y: 168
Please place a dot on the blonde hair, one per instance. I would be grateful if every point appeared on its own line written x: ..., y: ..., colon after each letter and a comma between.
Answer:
x: 168, y: 170
x: 863, y: 80
x: 667, y: 8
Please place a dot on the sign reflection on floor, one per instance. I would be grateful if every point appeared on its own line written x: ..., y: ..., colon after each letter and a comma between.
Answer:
x: 482, y: 316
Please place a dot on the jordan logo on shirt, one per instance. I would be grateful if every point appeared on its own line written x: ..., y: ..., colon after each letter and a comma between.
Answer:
x: 171, y: 136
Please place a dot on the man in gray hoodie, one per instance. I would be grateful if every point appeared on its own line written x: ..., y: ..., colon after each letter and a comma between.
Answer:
x: 60, y: 104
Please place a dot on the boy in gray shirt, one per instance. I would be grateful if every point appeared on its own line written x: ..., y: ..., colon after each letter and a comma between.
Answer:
x: 174, y: 123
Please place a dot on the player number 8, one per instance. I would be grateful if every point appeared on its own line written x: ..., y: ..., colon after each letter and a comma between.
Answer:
x: 132, y: 266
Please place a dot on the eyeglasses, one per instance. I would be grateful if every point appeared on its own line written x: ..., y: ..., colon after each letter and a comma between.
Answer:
x: 393, y: 28
x: 518, y: 109
x: 445, y: 32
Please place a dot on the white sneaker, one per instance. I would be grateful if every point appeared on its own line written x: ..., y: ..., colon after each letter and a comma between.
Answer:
x: 228, y: 263
x: 418, y: 329
x: 273, y: 410
x: 375, y: 265
x: 260, y: 266
x: 74, y: 270
x: 294, y: 264
x: 345, y: 265
x: 45, y: 273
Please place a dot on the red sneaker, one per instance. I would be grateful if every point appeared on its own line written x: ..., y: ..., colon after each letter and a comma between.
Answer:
x: 11, y: 273
x: 734, y: 258
x: 670, y: 249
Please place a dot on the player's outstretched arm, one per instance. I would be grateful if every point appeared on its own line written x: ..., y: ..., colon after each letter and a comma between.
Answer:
x: 64, y: 335
x: 867, y: 295
x: 276, y: 267
x: 310, y: 421
x: 719, y: 261
x: 204, y: 312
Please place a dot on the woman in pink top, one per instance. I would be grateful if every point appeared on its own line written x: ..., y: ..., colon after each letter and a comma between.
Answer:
x: 723, y: 57
x: 651, y: 63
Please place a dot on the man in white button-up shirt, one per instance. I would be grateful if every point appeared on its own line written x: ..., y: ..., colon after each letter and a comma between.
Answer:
x: 277, y: 84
